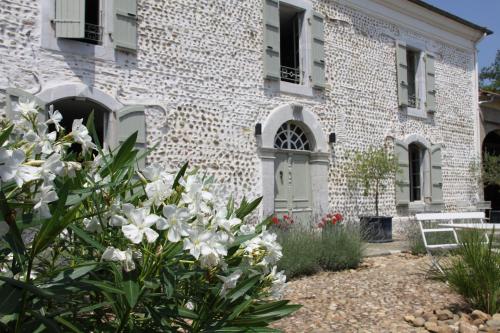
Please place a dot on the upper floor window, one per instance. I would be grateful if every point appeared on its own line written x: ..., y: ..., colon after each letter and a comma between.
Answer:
x: 79, y: 20
x: 415, y: 66
x: 89, y: 27
x: 294, y: 45
x: 291, y: 19
x: 416, y: 81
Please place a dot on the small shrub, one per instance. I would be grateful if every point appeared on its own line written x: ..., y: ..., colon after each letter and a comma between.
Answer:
x: 474, y: 272
x: 341, y: 247
x: 301, y: 251
x: 333, y: 246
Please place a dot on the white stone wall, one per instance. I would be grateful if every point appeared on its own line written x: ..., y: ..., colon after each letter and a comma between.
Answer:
x: 202, y: 61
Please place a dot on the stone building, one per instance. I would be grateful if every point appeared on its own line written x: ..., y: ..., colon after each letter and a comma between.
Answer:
x: 270, y: 96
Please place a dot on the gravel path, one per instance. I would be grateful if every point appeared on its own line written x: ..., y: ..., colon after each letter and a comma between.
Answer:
x: 373, y: 298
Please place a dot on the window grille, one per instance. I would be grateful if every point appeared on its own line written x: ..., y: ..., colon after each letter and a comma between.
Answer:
x: 291, y: 136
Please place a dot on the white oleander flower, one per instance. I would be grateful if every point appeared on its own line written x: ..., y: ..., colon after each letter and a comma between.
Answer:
x: 55, y: 117
x: 43, y: 141
x: 81, y: 135
x: 155, y: 172
x: 195, y: 196
x: 71, y: 168
x: 140, y: 222
x: 265, y: 241
x: 4, y: 228
x: 175, y: 221
x: 159, y: 190
x: 116, y: 219
x: 44, y: 197
x: 125, y: 257
x: 92, y: 225
x: 216, y: 250
x: 197, y: 242
x: 27, y: 108
x: 230, y: 281
x: 52, y: 167
x: 247, y: 229
x: 227, y: 224
x: 12, y: 168
x: 278, y: 280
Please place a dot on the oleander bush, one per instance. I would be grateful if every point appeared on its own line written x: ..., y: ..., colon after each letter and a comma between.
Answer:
x: 474, y: 271
x: 89, y: 243
x: 331, y: 246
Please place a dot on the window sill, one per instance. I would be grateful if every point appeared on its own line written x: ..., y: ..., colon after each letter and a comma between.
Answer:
x: 296, y: 89
x: 417, y: 113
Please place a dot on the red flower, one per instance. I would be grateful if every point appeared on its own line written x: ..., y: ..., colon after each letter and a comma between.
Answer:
x: 275, y: 220
x: 338, y: 217
x: 334, y: 221
x: 286, y: 217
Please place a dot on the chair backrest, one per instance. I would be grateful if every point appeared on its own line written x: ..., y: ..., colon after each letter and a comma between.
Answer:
x: 440, y: 218
x: 450, y: 216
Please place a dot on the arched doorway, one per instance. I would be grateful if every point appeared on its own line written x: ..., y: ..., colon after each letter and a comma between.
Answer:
x: 80, y: 108
x: 295, y: 160
x: 292, y: 189
x: 491, y: 145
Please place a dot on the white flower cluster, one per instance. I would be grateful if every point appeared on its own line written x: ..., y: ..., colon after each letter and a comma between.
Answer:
x: 205, y: 231
x: 39, y: 155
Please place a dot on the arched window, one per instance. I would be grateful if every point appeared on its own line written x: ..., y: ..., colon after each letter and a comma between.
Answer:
x: 291, y: 136
x: 72, y: 108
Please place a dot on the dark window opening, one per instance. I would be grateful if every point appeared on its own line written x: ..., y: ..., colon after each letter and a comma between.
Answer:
x: 93, y: 29
x: 72, y: 109
x: 415, y: 158
x: 412, y: 60
x: 290, y: 27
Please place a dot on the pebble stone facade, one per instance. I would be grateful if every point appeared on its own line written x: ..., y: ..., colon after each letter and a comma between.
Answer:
x: 199, y: 71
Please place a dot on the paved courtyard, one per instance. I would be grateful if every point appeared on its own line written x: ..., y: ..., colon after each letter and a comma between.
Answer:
x: 373, y: 298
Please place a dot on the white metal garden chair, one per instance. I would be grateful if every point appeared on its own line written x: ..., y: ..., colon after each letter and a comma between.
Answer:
x: 440, y: 219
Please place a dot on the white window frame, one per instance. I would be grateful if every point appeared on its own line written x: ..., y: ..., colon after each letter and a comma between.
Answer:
x: 104, y: 51
x: 305, y: 51
x: 420, y: 80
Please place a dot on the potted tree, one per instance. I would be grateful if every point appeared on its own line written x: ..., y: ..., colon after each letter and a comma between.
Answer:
x: 372, y: 170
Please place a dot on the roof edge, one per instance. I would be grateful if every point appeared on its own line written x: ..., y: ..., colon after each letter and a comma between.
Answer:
x: 452, y: 16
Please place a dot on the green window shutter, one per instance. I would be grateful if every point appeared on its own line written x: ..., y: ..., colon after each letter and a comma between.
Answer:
x: 436, y: 175
x: 14, y: 95
x: 131, y: 119
x: 318, y: 50
x: 403, y: 176
x: 125, y: 24
x: 70, y: 18
x: 430, y: 81
x: 402, y: 74
x: 272, y: 64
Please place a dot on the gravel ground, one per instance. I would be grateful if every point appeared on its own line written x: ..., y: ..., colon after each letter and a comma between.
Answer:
x: 373, y: 298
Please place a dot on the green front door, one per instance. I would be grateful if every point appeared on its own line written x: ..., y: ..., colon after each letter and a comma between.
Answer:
x: 293, y: 186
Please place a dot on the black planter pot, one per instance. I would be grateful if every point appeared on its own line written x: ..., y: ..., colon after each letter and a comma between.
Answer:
x: 376, y: 229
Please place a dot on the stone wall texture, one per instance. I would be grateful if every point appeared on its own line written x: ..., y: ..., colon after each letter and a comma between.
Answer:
x: 201, y: 60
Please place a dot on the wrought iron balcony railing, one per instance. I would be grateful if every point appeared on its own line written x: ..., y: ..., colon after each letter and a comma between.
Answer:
x: 292, y: 75
x: 93, y: 32
x: 413, y: 101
